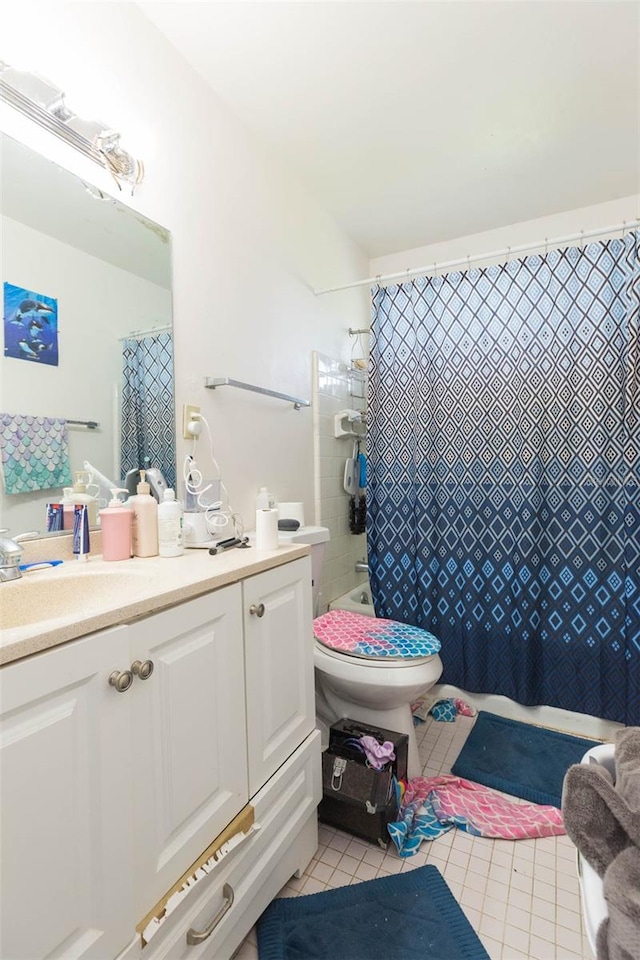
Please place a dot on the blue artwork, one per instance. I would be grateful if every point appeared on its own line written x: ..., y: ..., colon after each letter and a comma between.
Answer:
x: 30, y: 326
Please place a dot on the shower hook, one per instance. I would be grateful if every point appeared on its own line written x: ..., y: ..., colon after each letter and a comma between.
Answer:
x: 582, y: 239
x: 357, y: 342
x: 508, y: 257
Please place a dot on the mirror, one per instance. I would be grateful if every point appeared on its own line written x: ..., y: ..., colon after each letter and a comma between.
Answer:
x: 87, y: 337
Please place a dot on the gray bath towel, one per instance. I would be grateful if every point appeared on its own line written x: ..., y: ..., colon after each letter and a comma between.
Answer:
x: 603, y: 819
x: 619, y: 935
x: 596, y: 817
x: 627, y: 760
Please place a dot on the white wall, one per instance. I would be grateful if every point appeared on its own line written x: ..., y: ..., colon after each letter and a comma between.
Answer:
x: 248, y: 244
x: 527, y: 231
x: 97, y: 303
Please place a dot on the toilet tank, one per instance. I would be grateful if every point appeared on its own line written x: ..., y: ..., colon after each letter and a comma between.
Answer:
x: 316, y: 537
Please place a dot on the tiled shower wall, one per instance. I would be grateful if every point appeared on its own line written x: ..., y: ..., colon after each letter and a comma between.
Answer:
x: 336, y: 387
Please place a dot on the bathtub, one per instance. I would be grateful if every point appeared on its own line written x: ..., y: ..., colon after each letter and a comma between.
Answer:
x: 357, y: 600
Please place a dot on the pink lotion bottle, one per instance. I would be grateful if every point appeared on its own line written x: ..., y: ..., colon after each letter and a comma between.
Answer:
x: 115, y: 523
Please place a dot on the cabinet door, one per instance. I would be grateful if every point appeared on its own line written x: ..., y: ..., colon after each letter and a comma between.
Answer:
x: 189, y: 736
x: 65, y: 826
x: 279, y: 666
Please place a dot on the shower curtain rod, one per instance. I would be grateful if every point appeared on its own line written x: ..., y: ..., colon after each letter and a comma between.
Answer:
x: 507, y: 252
x: 135, y: 334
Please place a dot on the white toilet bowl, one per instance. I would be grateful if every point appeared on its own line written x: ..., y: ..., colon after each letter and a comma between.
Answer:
x: 376, y: 692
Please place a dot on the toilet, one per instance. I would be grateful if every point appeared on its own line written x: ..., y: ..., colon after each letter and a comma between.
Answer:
x: 366, y: 683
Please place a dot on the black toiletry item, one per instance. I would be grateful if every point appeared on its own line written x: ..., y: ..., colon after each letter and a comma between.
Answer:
x: 222, y: 545
x: 288, y: 524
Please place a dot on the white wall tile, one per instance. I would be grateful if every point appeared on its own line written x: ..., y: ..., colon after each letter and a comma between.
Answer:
x: 335, y: 389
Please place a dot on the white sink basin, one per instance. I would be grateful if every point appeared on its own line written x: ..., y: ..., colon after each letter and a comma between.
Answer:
x: 39, y: 597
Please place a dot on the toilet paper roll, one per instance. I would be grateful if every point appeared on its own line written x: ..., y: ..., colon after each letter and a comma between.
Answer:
x: 291, y: 511
x: 266, y: 529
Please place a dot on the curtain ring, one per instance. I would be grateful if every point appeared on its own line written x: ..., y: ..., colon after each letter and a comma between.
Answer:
x: 546, y: 246
x: 435, y: 269
x: 582, y: 239
x: 508, y: 256
x: 468, y: 262
x: 624, y: 224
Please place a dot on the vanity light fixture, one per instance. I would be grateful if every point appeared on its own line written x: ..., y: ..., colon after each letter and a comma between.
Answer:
x: 44, y: 103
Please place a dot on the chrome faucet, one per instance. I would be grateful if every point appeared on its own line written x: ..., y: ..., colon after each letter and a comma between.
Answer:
x: 362, y: 566
x: 11, y: 555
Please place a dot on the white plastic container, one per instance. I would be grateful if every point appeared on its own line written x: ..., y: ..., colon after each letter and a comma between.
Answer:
x: 170, y: 520
x: 79, y: 493
x: 264, y: 500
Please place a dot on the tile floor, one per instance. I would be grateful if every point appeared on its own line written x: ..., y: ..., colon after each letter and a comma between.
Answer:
x: 521, y: 897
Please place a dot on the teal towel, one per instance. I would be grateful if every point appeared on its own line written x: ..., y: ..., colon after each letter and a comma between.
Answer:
x: 35, y: 453
x: 362, y: 460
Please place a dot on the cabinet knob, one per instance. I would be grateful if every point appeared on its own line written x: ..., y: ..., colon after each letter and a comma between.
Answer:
x: 142, y: 668
x: 257, y: 609
x: 121, y: 680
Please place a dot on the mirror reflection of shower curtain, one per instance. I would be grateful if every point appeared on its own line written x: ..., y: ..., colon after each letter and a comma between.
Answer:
x: 147, y: 417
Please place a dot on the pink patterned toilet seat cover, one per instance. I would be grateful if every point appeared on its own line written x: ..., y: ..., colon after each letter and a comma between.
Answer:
x: 373, y: 637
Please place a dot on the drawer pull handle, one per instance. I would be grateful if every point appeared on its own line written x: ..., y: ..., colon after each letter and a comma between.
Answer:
x: 121, y: 680
x: 142, y: 668
x: 257, y: 609
x: 195, y: 936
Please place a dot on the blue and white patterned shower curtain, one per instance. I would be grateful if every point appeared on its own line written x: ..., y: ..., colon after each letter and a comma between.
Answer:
x: 147, y: 421
x: 504, y: 497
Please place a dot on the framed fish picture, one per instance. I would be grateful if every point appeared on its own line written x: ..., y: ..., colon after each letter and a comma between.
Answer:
x: 30, y: 326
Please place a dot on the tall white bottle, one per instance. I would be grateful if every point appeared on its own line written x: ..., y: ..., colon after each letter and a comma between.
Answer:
x: 144, y: 527
x: 170, y: 539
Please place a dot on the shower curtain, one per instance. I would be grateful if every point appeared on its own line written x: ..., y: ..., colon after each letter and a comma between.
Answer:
x: 503, y: 496
x: 147, y: 420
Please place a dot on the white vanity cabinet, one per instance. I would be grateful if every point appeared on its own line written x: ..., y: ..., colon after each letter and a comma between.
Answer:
x: 189, y: 735
x: 278, y: 636
x: 65, y: 824
x: 109, y: 797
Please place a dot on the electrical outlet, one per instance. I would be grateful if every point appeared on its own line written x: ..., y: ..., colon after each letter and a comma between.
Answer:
x: 188, y: 411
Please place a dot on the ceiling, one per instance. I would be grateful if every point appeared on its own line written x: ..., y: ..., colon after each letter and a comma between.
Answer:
x: 418, y: 122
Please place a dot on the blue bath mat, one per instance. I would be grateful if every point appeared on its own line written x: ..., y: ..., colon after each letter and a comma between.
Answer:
x: 398, y: 917
x: 518, y: 758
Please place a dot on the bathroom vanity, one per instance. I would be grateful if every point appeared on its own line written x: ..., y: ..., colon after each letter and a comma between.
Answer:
x: 177, y: 709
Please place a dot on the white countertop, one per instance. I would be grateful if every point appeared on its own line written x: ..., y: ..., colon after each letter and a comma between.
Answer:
x: 139, y: 588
